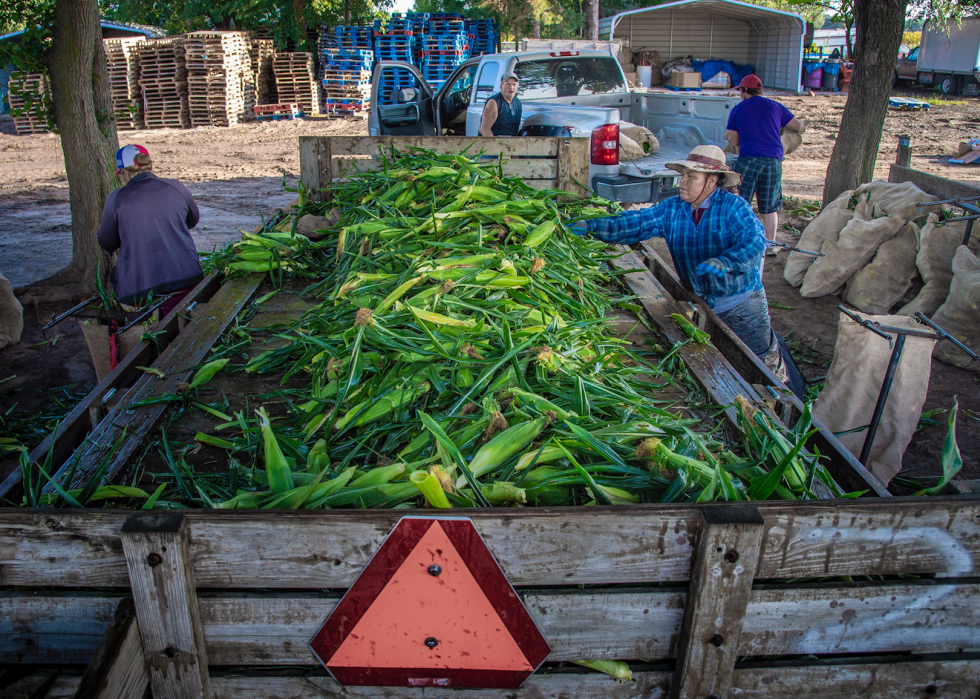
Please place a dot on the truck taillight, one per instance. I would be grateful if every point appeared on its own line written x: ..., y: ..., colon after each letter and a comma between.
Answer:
x: 605, y: 145
x: 563, y: 53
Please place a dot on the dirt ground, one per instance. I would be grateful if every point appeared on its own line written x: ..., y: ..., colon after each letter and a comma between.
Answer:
x: 236, y: 175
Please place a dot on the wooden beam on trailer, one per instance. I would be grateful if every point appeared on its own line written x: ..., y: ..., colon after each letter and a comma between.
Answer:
x: 131, y: 427
x: 70, y: 431
x: 724, y: 566
x: 849, y: 473
x: 933, y: 184
x: 118, y: 668
x: 157, y: 550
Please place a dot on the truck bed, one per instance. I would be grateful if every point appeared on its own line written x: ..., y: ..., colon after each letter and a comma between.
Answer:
x: 654, y: 165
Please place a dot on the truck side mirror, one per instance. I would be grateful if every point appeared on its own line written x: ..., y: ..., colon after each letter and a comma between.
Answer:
x: 405, y: 95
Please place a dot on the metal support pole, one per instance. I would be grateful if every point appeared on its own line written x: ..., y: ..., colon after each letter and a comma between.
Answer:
x: 969, y: 231
x: 886, y: 388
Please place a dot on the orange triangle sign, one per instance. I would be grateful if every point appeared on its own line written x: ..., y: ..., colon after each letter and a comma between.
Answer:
x: 432, y: 608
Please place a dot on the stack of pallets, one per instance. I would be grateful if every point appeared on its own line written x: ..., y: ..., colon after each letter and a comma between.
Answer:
x: 123, y: 60
x: 482, y: 35
x: 420, y: 24
x: 296, y: 81
x: 28, y: 92
x: 163, y: 83
x: 261, y: 52
x: 357, y: 37
x: 445, y: 47
x: 220, y: 86
x: 346, y: 80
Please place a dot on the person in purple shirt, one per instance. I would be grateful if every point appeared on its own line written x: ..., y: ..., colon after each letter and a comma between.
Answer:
x: 755, y: 127
x: 148, y: 221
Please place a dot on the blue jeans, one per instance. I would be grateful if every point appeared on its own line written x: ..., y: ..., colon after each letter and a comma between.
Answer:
x: 750, y: 321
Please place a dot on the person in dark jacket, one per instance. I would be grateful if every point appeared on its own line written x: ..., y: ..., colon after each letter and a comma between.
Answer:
x: 502, y: 112
x: 148, y: 220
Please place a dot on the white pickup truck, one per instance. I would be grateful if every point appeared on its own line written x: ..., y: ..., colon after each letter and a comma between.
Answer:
x: 582, y: 93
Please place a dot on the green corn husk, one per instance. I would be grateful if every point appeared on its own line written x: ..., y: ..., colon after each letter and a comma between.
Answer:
x: 506, y: 444
x: 276, y: 467
x: 540, y: 234
x: 614, y: 668
x: 428, y: 484
x: 318, y: 459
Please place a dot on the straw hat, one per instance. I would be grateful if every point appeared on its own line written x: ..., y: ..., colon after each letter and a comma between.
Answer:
x: 710, y: 159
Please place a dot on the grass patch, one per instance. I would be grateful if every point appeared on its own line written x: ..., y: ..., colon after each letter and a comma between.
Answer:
x: 939, y: 101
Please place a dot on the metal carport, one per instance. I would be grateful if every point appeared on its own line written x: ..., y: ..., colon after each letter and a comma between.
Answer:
x: 770, y: 40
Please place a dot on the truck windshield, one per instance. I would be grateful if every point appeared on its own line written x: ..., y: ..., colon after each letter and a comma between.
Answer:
x: 568, y: 77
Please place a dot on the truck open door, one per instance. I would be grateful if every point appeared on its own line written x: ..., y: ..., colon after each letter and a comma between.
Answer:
x: 401, y: 101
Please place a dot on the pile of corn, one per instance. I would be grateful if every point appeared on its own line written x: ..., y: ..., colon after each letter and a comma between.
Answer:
x: 460, y: 355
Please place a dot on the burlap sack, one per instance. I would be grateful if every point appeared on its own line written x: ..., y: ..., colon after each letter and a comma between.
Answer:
x: 881, y: 284
x: 851, y: 391
x: 97, y: 339
x: 855, y: 246
x: 791, y: 141
x: 960, y: 315
x: 937, y: 247
x: 825, y: 227
x: 897, y: 199
x: 636, y: 141
x: 11, y: 315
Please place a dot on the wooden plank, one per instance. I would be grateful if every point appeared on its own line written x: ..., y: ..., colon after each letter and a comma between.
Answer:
x: 933, y: 184
x: 724, y: 563
x: 309, y: 164
x: 270, y: 629
x: 132, y: 427
x: 157, y: 549
x: 954, y: 678
x: 563, y: 174
x: 71, y: 430
x: 707, y: 365
x: 372, y: 145
x: 848, y: 472
x: 118, y: 668
x: 535, y: 546
x: 579, y: 170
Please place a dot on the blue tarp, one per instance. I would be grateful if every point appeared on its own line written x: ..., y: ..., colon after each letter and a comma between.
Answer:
x: 710, y: 69
x: 832, y: 68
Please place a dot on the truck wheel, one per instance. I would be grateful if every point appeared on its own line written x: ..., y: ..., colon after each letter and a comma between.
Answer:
x: 948, y: 84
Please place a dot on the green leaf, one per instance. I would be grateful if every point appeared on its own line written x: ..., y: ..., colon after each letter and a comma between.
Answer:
x: 952, y: 460
x: 448, y: 445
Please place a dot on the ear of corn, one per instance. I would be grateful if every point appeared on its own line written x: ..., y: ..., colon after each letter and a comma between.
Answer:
x: 276, y: 468
x: 207, y: 372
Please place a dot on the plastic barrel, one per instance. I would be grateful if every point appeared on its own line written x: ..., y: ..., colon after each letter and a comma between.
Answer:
x: 813, y: 79
x: 644, y: 74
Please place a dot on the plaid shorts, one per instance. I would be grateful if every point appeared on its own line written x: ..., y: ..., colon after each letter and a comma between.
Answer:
x: 762, y: 178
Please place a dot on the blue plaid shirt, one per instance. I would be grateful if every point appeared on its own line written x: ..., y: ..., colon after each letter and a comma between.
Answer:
x: 729, y: 232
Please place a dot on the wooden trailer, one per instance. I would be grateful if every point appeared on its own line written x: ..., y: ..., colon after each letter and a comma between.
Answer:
x: 871, y: 597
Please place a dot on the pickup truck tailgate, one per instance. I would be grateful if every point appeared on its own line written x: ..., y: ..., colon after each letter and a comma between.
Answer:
x: 654, y: 165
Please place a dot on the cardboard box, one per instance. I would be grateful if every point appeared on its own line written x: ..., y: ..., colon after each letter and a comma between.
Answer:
x: 680, y: 79
x: 631, y: 79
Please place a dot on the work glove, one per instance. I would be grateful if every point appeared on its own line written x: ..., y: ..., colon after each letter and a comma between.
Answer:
x: 578, y: 227
x: 712, y: 266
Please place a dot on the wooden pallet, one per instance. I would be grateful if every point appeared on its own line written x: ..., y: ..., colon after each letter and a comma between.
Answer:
x: 29, y: 116
x: 220, y: 80
x: 295, y: 80
x: 163, y: 83
x: 122, y: 60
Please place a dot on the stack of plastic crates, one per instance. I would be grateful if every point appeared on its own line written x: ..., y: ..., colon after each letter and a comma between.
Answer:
x: 482, y: 35
x: 445, y: 48
x: 347, y: 80
x: 420, y: 24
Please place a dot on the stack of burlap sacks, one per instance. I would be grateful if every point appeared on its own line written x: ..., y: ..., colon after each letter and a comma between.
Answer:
x: 876, y: 250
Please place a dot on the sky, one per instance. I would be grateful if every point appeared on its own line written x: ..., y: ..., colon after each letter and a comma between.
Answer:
x: 403, y: 5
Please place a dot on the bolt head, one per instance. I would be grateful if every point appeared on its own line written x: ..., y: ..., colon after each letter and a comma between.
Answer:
x: 716, y: 640
x: 431, y: 642
x: 731, y: 556
x: 434, y: 570
x: 154, y: 559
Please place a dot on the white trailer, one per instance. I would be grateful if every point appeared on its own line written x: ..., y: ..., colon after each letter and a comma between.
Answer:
x: 949, y: 57
x: 771, y: 41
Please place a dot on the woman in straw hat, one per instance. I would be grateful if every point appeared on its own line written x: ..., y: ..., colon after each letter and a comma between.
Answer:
x: 716, y: 243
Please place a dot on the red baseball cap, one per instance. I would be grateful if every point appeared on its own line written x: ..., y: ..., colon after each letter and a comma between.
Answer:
x: 750, y: 81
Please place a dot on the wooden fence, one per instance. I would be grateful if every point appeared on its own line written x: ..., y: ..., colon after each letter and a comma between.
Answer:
x: 215, y: 603
x: 542, y: 163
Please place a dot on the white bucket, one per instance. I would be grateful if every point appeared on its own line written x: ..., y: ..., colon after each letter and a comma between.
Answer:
x: 644, y: 74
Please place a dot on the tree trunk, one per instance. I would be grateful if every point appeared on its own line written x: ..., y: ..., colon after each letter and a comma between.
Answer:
x: 537, y: 27
x: 591, y: 19
x: 847, y: 38
x: 879, y: 32
x: 80, y: 93
x: 299, y: 15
